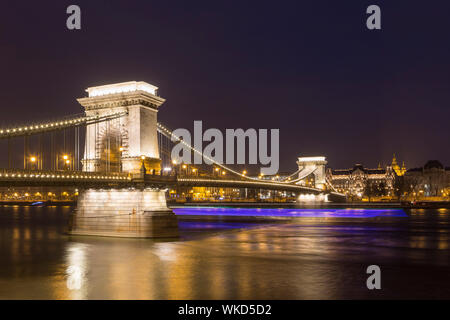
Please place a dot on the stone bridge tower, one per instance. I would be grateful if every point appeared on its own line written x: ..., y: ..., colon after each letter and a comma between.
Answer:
x: 122, y: 144
x: 315, y: 166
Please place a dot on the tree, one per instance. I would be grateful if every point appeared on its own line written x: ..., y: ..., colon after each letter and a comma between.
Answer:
x: 400, y: 186
x: 370, y: 189
x: 413, y: 184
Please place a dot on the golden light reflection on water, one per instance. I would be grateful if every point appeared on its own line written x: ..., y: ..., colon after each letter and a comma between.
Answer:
x: 283, y: 261
x: 76, y: 270
x: 443, y: 242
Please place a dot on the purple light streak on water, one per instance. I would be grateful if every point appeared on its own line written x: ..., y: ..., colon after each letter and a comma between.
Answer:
x: 270, y: 212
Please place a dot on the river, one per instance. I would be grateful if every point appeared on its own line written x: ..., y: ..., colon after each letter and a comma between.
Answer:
x: 230, y: 254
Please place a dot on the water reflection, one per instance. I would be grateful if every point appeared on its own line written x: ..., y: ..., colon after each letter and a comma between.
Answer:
x: 76, y: 270
x: 307, y: 258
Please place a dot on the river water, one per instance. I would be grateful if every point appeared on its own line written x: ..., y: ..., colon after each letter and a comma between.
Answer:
x: 230, y: 254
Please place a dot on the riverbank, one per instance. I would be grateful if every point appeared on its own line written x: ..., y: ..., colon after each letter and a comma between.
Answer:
x: 337, y: 205
x: 38, y: 203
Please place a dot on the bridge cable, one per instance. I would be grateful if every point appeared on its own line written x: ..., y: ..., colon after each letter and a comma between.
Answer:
x: 169, y: 134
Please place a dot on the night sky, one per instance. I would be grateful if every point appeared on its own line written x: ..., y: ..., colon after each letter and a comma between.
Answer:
x: 310, y: 68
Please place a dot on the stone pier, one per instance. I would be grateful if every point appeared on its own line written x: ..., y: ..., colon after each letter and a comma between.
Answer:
x: 128, y: 213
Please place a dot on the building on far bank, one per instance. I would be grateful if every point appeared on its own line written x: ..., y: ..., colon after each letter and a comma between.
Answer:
x: 354, y: 181
x: 431, y: 180
x: 398, y: 171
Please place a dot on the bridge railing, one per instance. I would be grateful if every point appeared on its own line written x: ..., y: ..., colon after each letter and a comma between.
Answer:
x: 19, y: 174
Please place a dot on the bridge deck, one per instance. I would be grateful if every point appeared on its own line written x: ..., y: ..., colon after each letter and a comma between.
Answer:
x: 38, y: 178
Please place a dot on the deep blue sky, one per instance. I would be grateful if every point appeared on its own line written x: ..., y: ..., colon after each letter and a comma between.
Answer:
x: 310, y: 68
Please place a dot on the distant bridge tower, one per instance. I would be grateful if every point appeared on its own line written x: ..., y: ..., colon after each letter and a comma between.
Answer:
x: 315, y: 166
x: 120, y: 144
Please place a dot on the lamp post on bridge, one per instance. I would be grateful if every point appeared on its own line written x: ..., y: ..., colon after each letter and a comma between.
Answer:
x: 66, y: 162
x: 143, y: 170
x: 33, y: 162
x: 120, y: 158
x: 174, y: 162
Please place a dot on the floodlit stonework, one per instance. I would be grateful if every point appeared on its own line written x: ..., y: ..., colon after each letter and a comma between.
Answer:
x: 313, y: 167
x: 121, y: 142
x: 124, y: 213
x: 126, y: 142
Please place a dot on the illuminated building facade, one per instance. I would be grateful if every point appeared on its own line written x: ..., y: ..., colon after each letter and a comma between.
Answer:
x: 355, y: 180
x: 399, y: 171
x: 431, y: 180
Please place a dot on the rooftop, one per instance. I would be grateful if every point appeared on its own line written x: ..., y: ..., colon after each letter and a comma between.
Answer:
x: 121, y: 88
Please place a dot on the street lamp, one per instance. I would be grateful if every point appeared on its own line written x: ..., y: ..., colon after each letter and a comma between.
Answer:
x: 143, y: 169
x: 175, y: 169
x: 33, y: 162
x: 120, y: 158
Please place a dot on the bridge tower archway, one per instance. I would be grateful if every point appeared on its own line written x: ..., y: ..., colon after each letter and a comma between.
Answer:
x: 314, y: 166
x: 134, y: 136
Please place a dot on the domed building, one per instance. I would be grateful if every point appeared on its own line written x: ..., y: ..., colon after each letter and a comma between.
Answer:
x: 431, y: 180
x: 398, y: 171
